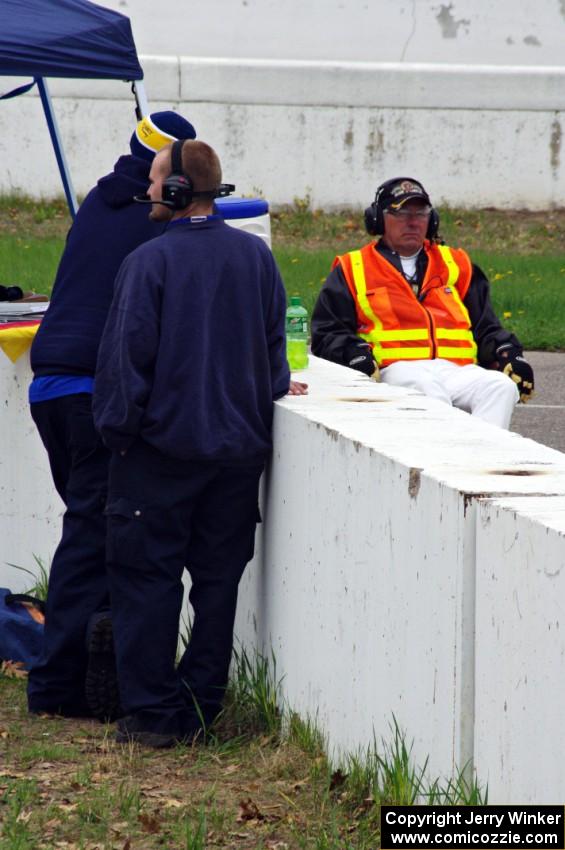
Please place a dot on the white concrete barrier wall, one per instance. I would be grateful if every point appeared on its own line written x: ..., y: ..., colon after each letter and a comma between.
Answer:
x: 371, y: 578
x: 30, y: 509
x: 476, y: 135
x: 520, y: 648
x: 409, y: 564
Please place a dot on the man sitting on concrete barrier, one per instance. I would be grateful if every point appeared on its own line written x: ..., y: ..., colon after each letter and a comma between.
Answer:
x: 192, y: 357
x: 63, y: 357
x: 412, y: 312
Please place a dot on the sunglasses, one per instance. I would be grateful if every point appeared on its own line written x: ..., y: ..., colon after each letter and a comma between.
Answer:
x: 422, y: 213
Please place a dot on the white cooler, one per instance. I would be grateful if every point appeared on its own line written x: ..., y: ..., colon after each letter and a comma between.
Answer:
x: 251, y: 214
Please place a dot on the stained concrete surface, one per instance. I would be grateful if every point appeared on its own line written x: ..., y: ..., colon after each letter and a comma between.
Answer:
x: 543, y: 418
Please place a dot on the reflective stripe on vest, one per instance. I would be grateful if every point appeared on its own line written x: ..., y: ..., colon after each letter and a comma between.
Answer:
x: 465, y: 336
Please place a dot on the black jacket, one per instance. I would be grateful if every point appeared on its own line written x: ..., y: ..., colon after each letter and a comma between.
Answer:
x: 334, y: 320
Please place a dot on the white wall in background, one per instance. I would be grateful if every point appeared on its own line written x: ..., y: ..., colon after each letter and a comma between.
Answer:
x: 476, y: 136
x: 328, y: 98
x: 508, y: 32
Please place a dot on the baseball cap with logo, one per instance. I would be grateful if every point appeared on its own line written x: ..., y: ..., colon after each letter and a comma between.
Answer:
x: 396, y: 193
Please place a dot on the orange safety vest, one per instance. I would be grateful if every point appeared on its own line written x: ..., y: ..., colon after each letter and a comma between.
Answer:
x: 399, y: 326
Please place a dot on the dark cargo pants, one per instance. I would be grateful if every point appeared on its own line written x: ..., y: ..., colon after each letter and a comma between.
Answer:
x: 164, y: 514
x: 77, y: 583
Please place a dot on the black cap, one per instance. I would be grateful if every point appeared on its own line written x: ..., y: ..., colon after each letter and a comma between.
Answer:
x: 404, y: 189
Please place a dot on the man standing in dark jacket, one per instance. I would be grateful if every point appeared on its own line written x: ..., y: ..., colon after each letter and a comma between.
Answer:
x: 192, y: 357
x: 63, y: 357
x: 412, y: 312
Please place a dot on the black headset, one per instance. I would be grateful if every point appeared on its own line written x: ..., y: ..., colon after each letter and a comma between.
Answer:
x: 178, y: 189
x: 374, y: 215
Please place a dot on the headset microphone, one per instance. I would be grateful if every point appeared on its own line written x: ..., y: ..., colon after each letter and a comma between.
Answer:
x: 145, y: 199
x: 223, y: 190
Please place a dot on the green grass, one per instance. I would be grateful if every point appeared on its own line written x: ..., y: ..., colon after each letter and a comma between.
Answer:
x: 29, y: 262
x: 528, y: 294
x: 522, y: 253
x: 38, y: 578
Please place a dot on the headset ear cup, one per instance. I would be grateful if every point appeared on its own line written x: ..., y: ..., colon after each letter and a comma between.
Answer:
x: 177, y: 191
x: 433, y: 225
x: 177, y: 188
x: 371, y: 221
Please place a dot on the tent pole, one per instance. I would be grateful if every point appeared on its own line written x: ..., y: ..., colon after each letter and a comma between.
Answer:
x: 57, y: 145
x: 138, y: 88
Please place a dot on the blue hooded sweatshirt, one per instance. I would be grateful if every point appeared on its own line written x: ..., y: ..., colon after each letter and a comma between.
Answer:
x: 194, y: 349
x: 108, y: 226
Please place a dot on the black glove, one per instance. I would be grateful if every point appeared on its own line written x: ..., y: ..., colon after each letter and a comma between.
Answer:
x: 360, y: 356
x: 511, y: 362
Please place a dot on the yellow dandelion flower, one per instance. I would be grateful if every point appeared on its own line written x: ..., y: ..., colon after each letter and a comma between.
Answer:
x: 507, y: 314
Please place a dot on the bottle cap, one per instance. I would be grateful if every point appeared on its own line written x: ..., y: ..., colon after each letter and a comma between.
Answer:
x: 295, y: 300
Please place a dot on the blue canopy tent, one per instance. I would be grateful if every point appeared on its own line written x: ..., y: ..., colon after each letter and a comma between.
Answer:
x: 67, y: 38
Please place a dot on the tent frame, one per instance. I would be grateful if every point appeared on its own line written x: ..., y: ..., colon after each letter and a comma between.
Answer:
x: 142, y: 108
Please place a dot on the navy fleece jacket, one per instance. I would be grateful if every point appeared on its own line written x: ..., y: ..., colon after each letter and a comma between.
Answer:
x: 108, y: 226
x: 193, y: 352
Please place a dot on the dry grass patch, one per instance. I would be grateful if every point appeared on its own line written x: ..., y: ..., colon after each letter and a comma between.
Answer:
x: 65, y: 784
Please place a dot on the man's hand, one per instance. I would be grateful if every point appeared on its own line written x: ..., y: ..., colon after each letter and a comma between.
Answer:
x: 523, y: 375
x: 360, y: 356
x: 298, y: 388
x: 511, y: 362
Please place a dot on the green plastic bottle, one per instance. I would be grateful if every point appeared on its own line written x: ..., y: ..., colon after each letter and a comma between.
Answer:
x: 296, y: 335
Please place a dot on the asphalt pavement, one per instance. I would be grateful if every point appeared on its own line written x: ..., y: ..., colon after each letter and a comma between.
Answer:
x: 543, y: 418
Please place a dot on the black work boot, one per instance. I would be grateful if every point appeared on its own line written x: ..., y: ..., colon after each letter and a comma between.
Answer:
x: 101, y: 683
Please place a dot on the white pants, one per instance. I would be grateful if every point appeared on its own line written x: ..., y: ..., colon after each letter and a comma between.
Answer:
x: 485, y: 393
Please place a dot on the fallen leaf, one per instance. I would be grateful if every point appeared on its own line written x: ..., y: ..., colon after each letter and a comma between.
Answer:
x: 173, y: 804
x: 13, y: 670
x: 248, y: 811
x: 149, y: 823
